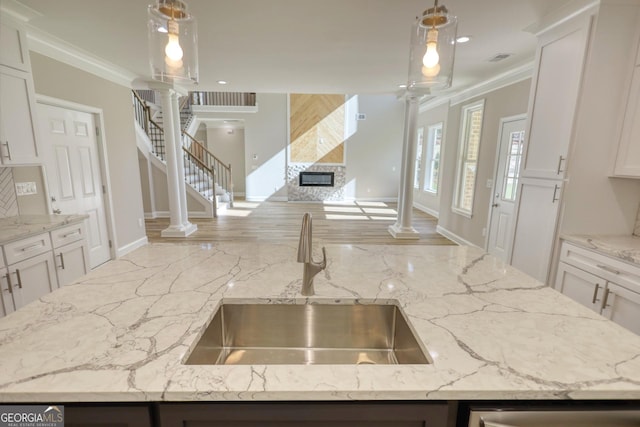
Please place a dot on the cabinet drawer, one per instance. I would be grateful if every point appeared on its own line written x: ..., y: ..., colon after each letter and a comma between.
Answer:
x: 601, y: 265
x: 69, y: 234
x: 27, y: 248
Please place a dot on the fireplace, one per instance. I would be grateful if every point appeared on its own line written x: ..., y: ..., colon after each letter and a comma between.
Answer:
x: 316, y: 179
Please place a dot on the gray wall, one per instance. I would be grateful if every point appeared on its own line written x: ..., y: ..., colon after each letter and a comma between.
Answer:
x: 229, y: 148
x: 424, y: 199
x: 58, y: 80
x: 374, y: 151
x: 504, y: 102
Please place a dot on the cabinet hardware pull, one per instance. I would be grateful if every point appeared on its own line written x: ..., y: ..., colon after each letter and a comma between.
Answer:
x: 19, y: 278
x: 609, y: 269
x: 6, y: 144
x: 605, y: 299
x: 560, y: 160
x: 61, y: 261
x: 595, y: 294
x: 555, y: 193
x: 75, y: 233
x: 8, y: 276
x: 28, y: 248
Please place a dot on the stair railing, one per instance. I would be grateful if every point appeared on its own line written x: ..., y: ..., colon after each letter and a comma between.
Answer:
x: 206, y: 177
x: 154, y: 131
x: 222, y: 172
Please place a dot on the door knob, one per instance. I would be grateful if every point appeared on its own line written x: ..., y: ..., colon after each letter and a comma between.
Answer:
x: 495, y: 205
x: 57, y: 211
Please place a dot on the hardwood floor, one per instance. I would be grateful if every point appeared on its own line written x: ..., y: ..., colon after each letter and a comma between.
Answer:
x: 333, y: 222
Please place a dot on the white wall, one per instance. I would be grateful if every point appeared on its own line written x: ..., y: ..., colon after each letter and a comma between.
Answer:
x: 58, y: 80
x: 374, y: 151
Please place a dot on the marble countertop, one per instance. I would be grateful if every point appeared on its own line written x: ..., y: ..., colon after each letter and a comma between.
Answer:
x: 121, y: 332
x: 19, y: 227
x: 625, y: 248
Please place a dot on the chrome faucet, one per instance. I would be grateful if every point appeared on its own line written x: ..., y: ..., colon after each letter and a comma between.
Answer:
x: 311, y: 268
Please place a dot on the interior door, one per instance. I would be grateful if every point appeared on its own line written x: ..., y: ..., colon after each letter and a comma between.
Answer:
x: 505, y: 187
x: 72, y: 165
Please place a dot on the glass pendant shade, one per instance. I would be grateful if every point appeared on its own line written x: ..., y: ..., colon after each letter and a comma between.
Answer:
x: 433, y: 45
x: 173, y: 42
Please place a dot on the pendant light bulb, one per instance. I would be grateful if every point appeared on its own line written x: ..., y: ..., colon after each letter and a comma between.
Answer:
x: 173, y: 50
x: 431, y: 58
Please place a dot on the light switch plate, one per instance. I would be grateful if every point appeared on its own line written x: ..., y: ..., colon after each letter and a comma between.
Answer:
x: 26, y: 188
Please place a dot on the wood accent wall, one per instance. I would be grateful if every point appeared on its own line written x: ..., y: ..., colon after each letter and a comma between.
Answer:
x: 317, y: 126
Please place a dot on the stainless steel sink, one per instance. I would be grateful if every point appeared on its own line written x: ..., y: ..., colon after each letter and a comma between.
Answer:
x: 316, y: 333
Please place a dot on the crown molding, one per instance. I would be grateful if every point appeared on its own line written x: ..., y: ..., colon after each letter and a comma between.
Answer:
x: 562, y: 14
x: 48, y: 45
x: 505, y: 79
x: 18, y: 11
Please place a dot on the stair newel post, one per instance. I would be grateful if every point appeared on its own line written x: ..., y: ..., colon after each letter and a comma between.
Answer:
x: 230, y: 186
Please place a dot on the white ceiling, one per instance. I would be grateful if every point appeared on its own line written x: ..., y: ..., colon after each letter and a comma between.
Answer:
x: 308, y: 46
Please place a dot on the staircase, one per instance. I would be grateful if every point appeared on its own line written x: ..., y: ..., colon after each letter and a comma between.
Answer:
x: 204, y: 172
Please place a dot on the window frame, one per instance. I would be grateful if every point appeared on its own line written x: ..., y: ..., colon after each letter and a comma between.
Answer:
x: 417, y: 173
x: 429, y: 158
x: 462, y: 160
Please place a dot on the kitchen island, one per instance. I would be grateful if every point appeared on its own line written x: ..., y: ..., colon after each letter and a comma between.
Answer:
x: 122, y: 332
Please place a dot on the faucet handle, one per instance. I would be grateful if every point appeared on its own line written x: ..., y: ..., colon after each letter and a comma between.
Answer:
x: 323, y: 263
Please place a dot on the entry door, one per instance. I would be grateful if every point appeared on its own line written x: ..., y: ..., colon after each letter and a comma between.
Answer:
x: 506, y: 186
x: 70, y: 151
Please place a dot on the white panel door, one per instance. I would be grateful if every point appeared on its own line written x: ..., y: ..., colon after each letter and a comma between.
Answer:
x: 536, y: 225
x: 506, y: 187
x: 73, y: 172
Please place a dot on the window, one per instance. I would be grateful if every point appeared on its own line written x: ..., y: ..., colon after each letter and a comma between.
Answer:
x: 512, y: 171
x: 468, y: 150
x: 416, y: 176
x: 432, y: 171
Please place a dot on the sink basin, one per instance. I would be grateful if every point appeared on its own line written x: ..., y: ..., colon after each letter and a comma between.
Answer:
x: 316, y: 333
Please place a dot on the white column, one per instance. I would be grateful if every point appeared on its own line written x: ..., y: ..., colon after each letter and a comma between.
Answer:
x: 403, y: 228
x: 177, y: 128
x: 176, y: 228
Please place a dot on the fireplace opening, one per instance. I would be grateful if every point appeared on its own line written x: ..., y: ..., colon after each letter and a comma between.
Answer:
x: 316, y: 179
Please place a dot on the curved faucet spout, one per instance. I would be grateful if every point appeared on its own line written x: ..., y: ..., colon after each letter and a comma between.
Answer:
x: 305, y: 249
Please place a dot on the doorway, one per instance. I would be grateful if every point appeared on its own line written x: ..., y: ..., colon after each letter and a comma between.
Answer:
x: 73, y: 170
x: 510, y: 145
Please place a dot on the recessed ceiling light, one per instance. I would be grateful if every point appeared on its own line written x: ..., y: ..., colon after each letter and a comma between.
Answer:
x: 463, y: 39
x: 222, y: 82
x: 162, y: 30
x: 402, y: 86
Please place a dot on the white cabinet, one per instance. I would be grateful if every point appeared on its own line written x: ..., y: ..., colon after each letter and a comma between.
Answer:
x: 605, y: 285
x: 71, y: 253
x: 553, y: 99
x: 17, y: 133
x: 535, y: 226
x: 33, y: 278
x: 13, y: 46
x: 628, y: 155
x: 6, y: 293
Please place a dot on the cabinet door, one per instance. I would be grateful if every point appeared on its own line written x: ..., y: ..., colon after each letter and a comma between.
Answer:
x: 580, y: 286
x: 33, y: 278
x: 535, y: 226
x: 17, y: 133
x: 553, y: 100
x: 6, y: 293
x: 13, y: 47
x: 628, y: 156
x: 622, y: 306
x: 72, y: 262
x: 78, y: 415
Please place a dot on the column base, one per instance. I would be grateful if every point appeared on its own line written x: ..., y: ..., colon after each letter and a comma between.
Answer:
x: 399, y: 232
x: 179, y: 230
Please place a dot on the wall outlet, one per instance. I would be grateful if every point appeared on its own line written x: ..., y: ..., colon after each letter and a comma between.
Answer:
x: 26, y: 188
x: 489, y: 183
x: 140, y: 222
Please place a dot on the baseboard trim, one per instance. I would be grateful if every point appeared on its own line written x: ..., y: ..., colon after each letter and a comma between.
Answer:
x: 123, y: 250
x: 427, y: 210
x: 455, y: 238
x: 266, y: 198
x: 167, y: 214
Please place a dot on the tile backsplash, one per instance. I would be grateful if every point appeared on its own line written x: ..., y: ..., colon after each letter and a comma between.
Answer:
x: 8, y: 198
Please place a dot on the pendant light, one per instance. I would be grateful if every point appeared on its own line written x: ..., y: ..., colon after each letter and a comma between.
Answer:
x: 433, y: 44
x: 173, y: 42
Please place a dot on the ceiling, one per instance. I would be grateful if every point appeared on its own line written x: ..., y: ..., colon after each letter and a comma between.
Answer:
x: 306, y: 46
